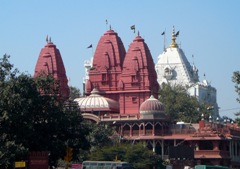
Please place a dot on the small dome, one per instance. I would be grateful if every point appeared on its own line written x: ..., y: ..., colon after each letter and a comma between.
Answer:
x: 96, y: 102
x: 151, y: 105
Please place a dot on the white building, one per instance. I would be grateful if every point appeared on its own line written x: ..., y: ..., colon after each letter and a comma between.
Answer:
x: 174, y: 68
x: 87, y: 66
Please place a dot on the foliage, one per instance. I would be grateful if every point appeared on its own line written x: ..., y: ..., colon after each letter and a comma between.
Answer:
x: 138, y: 155
x: 237, y: 120
x: 74, y: 92
x: 100, y: 135
x: 179, y: 105
x: 236, y: 80
x: 33, y: 118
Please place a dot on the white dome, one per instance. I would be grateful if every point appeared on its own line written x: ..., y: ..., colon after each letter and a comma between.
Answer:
x: 96, y: 102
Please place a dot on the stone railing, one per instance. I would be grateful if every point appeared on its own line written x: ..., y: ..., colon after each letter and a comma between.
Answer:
x: 211, y: 154
x: 119, y: 117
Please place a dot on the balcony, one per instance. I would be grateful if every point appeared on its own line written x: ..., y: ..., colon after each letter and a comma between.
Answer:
x: 203, y: 154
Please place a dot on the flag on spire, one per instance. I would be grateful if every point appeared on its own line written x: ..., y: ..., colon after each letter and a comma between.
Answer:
x: 177, y: 34
x: 133, y: 28
x: 90, y: 46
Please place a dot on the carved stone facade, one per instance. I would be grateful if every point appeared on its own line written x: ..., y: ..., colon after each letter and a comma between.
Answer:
x: 142, y: 118
x: 122, y: 91
x: 50, y: 62
x: 174, y: 68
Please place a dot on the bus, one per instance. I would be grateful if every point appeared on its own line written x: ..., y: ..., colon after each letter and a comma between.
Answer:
x: 105, y: 165
x: 209, y: 167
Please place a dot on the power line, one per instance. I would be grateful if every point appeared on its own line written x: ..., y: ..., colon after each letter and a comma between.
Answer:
x: 229, y: 109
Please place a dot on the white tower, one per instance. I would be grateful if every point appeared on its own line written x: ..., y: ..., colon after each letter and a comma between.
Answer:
x: 87, y: 65
x: 174, y: 68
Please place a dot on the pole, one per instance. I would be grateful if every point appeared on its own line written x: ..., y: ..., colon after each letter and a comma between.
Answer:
x: 66, y: 165
x: 164, y: 43
x: 67, y: 158
x: 106, y: 24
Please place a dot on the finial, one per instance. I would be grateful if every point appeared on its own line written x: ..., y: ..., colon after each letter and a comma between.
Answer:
x: 138, y: 33
x: 110, y: 27
x: 174, y: 44
x: 106, y: 21
x: 95, y: 85
x: 210, y: 118
x: 151, y: 92
x: 47, y: 39
x: 225, y: 121
x: 202, y: 116
x: 50, y: 40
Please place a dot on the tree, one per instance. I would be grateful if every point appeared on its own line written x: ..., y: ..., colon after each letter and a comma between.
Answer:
x: 236, y: 80
x: 138, y: 155
x: 33, y: 118
x: 13, y: 111
x: 100, y: 135
x: 179, y: 105
x: 74, y: 92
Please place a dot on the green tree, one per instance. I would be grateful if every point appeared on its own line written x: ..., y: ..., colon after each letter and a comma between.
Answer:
x: 236, y: 80
x: 34, y: 118
x: 179, y: 105
x: 74, y: 92
x: 100, y: 135
x: 138, y: 155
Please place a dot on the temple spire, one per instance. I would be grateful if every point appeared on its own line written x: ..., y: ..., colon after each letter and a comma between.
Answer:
x: 173, y: 44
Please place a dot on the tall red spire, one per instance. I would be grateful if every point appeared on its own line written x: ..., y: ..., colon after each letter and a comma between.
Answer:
x: 50, y: 62
x: 107, y: 63
x: 138, y: 78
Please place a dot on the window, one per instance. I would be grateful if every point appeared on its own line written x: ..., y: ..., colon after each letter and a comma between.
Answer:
x: 104, y: 77
x: 134, y: 78
x: 168, y: 73
x: 134, y: 99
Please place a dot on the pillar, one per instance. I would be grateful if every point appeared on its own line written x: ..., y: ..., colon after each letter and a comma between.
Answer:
x: 153, y: 129
x: 131, y: 130
x: 154, y: 146
x: 174, y: 142
x: 162, y: 145
x: 230, y: 148
x: 215, y: 145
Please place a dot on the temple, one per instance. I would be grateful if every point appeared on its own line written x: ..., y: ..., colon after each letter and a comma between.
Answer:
x: 121, y: 90
x: 174, y: 68
x: 50, y: 62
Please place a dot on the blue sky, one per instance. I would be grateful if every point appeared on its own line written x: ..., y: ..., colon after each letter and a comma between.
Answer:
x: 209, y: 30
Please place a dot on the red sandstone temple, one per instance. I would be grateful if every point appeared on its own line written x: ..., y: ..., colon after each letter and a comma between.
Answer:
x: 122, y: 90
x: 50, y: 62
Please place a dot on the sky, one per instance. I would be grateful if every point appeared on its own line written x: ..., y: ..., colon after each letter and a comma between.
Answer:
x: 209, y: 30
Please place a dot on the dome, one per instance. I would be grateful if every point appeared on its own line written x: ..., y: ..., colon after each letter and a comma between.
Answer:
x: 151, y: 105
x: 152, y: 108
x: 96, y: 102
